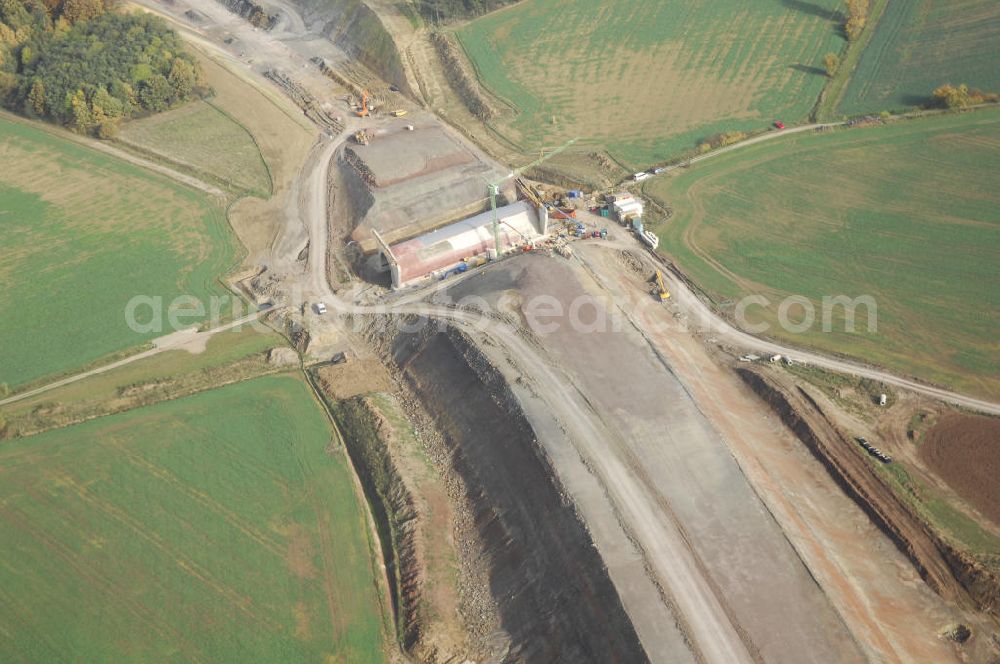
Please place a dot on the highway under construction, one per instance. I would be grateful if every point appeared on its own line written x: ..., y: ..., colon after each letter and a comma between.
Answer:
x: 615, y: 490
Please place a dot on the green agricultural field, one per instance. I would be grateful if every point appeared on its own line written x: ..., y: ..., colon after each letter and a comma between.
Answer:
x: 82, y: 234
x: 213, y: 528
x: 921, y: 44
x: 649, y: 79
x: 908, y: 213
x: 202, y: 138
x: 228, y: 356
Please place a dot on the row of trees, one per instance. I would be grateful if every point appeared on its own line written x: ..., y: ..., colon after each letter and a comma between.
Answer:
x: 78, y: 64
x: 856, y: 18
x: 721, y: 140
x: 961, y: 96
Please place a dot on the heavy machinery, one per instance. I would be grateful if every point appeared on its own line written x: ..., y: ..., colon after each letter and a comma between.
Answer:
x: 650, y: 239
x: 362, y: 137
x: 493, y: 190
x: 399, y: 113
x: 363, y: 111
x: 662, y: 291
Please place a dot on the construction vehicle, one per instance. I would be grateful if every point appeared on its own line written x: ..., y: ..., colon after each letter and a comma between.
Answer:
x: 362, y: 137
x: 365, y: 108
x: 461, y: 268
x: 493, y: 191
x: 662, y: 293
x: 650, y: 239
x: 874, y: 451
x: 399, y: 113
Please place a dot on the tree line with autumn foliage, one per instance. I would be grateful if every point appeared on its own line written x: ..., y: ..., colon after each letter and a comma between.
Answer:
x: 82, y: 64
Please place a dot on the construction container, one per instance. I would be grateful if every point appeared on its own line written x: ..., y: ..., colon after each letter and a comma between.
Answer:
x: 629, y: 209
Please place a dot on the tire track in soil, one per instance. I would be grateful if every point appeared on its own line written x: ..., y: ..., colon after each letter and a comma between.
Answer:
x: 241, y: 602
x: 99, y: 581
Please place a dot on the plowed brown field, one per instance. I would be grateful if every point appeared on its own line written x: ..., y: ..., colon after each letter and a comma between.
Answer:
x: 965, y: 451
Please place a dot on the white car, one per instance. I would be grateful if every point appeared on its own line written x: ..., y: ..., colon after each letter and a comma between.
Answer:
x: 320, y: 308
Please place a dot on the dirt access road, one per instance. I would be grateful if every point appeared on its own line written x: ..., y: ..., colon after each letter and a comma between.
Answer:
x: 705, y: 617
x: 893, y: 615
x: 701, y: 315
x: 188, y: 339
x: 698, y: 315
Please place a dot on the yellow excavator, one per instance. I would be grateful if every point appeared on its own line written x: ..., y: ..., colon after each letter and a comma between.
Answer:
x: 663, y: 293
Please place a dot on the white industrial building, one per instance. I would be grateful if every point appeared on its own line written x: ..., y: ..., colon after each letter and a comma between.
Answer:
x: 437, y: 252
x: 626, y: 206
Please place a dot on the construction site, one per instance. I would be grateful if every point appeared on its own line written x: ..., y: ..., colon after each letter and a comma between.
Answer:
x: 642, y: 510
x: 577, y: 437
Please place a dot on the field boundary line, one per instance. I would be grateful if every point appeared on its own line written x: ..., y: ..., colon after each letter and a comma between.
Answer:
x: 878, y: 56
x: 267, y: 167
x: 511, y: 106
x: 165, y: 161
x: 380, y: 572
x: 180, y: 394
x: 110, y: 150
x: 174, y: 345
x: 233, y: 188
x: 832, y: 94
x: 479, y: 76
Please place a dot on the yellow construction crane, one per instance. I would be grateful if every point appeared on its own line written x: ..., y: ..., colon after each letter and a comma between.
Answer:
x: 493, y: 189
x: 664, y: 294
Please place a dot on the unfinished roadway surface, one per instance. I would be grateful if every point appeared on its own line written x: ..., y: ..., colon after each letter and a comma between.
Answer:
x: 699, y: 563
x: 702, y: 568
